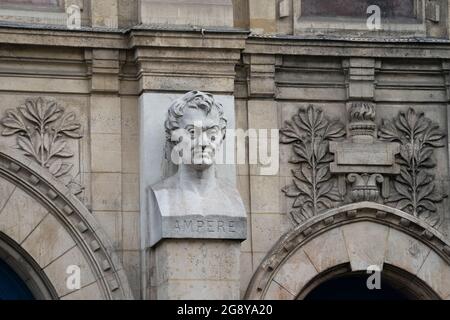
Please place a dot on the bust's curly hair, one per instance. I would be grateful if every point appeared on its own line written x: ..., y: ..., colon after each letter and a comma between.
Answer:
x: 195, y: 100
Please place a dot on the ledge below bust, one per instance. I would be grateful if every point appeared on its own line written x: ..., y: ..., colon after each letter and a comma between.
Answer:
x: 178, y: 213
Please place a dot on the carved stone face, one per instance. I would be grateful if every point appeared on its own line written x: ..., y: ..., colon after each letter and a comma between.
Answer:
x: 206, y: 136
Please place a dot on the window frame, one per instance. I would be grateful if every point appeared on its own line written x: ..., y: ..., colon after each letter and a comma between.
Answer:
x: 310, y: 24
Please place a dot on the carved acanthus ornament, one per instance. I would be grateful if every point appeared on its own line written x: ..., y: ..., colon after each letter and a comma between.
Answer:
x: 313, y: 187
x: 414, y: 188
x: 42, y: 128
x: 394, y: 169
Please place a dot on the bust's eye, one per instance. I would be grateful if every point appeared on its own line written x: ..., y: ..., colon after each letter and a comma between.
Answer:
x: 213, y: 131
x: 191, y: 131
x: 213, y: 138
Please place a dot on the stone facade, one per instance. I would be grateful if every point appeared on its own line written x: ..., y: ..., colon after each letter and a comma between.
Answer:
x: 363, y: 158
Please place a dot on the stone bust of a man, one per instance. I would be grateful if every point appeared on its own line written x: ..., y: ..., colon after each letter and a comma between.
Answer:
x: 195, y: 200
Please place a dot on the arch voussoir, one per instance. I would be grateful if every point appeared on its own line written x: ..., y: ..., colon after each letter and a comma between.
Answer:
x: 81, y: 240
x: 360, y: 235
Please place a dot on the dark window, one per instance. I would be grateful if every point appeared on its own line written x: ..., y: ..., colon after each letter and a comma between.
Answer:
x: 357, y: 8
x: 11, y: 286
x: 354, y: 287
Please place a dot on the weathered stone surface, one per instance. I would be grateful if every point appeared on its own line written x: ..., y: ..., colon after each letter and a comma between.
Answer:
x: 58, y: 274
x: 90, y: 292
x: 198, y: 290
x: 209, y: 267
x: 111, y: 223
x: 366, y: 244
x: 266, y: 229
x: 20, y: 214
x: 405, y: 252
x: 48, y: 241
x: 105, y: 114
x: 218, y: 13
x: 104, y: 13
x: 130, y: 197
x: 436, y: 273
x: 106, y: 153
x: 296, y: 273
x: 106, y: 192
x: 132, y: 267
x: 262, y: 114
x: 327, y: 251
x: 131, y: 230
x: 246, y: 271
x: 262, y: 16
x: 277, y: 292
x: 6, y: 190
x: 263, y: 190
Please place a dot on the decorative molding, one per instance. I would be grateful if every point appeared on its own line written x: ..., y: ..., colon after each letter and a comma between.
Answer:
x: 313, y: 187
x: 334, y: 218
x: 362, y: 161
x: 415, y: 190
x: 365, y: 186
x: 69, y: 211
x: 42, y: 128
x: 394, y: 169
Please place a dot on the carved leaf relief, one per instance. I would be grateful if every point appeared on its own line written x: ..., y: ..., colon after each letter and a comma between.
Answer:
x: 415, y: 191
x: 313, y: 188
x: 43, y: 129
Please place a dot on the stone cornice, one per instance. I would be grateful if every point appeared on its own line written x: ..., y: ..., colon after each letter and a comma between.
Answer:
x: 123, y: 38
x: 375, y: 48
x: 62, y: 38
x: 222, y: 38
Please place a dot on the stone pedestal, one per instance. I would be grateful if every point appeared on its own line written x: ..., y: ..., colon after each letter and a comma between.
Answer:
x: 196, y: 270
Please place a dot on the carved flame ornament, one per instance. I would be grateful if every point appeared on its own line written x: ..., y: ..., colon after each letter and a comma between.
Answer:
x: 313, y: 188
x: 415, y: 191
x: 42, y: 128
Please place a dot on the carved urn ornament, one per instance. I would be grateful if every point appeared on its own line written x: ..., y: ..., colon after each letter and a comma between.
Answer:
x: 390, y: 164
x: 362, y: 161
x: 365, y: 186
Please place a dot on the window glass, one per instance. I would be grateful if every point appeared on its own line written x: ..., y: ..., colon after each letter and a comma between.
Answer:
x: 357, y: 8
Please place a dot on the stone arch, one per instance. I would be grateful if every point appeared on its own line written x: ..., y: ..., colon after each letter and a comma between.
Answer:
x: 44, y: 224
x: 27, y: 269
x: 354, y: 237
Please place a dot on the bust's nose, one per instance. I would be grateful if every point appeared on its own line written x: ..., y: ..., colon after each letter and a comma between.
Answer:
x: 204, y: 140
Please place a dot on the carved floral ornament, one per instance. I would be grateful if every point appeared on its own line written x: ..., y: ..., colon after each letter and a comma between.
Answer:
x: 43, y: 128
x: 314, y: 188
x: 396, y: 158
